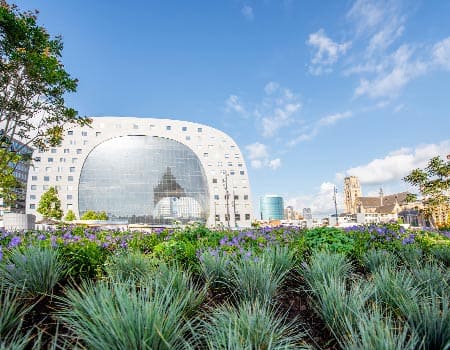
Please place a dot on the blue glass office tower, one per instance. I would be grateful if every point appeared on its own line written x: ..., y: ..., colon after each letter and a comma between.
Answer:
x: 272, y: 207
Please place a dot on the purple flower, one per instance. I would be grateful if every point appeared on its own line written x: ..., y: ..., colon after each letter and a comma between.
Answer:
x: 41, y: 237
x: 1, y: 253
x: 123, y: 244
x: 15, y: 241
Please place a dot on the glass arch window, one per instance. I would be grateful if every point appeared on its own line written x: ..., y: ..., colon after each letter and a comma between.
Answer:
x: 144, y: 179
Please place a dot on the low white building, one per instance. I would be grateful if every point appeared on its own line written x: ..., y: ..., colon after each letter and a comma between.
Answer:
x: 145, y: 170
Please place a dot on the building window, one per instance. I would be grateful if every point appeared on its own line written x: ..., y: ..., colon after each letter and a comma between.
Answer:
x: 45, y: 187
x: 58, y: 177
x: 74, y: 160
x: 84, y: 133
x: 236, y: 155
x: 216, y: 197
x: 66, y: 150
x: 247, y: 216
x: 72, y: 169
x: 227, y: 155
x: 242, y: 172
x: 70, y: 132
x: 188, y: 138
x: 168, y: 127
x: 184, y: 128
x: 53, y: 150
x: 219, y: 163
x: 232, y: 172
x: 246, y: 197
x: 135, y: 126
x: 237, y: 217
x: 205, y: 155
x: 73, y: 142
x: 69, y: 196
x: 227, y: 217
x: 217, y: 217
x: 32, y: 206
x: 85, y: 142
x: 33, y: 187
x: 37, y: 159
x: 240, y: 165
x: 230, y: 164
x: 70, y: 178
x: 78, y: 151
x: 236, y: 197
x: 50, y: 160
x: 32, y: 196
x: 200, y: 130
x: 46, y: 178
x: 62, y: 160
x: 214, y: 181
x: 34, y: 178
x: 97, y: 134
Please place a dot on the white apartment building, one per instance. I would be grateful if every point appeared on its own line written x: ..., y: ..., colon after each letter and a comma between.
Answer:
x: 146, y: 170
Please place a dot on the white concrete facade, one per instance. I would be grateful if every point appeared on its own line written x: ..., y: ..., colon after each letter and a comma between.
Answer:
x: 220, y: 157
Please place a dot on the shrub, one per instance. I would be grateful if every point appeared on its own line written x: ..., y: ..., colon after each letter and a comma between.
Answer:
x: 329, y: 239
x: 251, y: 326
x: 33, y: 270
x: 441, y: 253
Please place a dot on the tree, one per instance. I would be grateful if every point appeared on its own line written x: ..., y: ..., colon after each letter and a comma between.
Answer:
x: 93, y: 215
x: 433, y: 183
x: 50, y: 205
x: 70, y: 216
x: 33, y: 83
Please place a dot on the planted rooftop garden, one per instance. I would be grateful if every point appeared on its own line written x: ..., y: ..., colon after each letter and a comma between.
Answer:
x: 365, y: 287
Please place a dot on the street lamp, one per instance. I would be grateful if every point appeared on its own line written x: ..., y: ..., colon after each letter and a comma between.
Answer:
x: 335, y: 205
x: 227, y: 197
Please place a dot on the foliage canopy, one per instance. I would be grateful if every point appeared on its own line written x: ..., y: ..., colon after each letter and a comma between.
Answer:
x: 50, y: 205
x: 33, y: 83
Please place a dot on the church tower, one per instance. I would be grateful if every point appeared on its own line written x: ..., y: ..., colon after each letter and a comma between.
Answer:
x: 352, y: 190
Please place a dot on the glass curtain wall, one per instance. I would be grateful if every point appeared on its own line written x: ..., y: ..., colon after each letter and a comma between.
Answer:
x: 144, y: 179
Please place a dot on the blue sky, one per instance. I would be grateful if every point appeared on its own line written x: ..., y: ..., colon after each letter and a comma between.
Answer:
x: 310, y: 91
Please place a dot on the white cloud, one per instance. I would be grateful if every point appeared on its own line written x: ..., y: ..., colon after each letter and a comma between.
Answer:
x: 257, y: 150
x: 327, y: 52
x: 271, y: 87
x: 247, y: 11
x: 313, y: 130
x: 366, y: 15
x: 388, y: 84
x: 275, y: 163
x: 397, y: 164
x: 277, y: 110
x: 321, y: 202
x: 233, y: 104
x: 259, y: 157
x: 441, y: 53
x: 334, y: 118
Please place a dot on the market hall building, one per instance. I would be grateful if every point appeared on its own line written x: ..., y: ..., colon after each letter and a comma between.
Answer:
x: 146, y: 171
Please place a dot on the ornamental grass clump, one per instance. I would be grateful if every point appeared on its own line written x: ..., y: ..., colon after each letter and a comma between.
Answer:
x: 374, y: 259
x: 12, y: 310
x: 214, y: 268
x: 376, y: 331
x: 251, y: 325
x: 130, y: 266
x: 32, y: 270
x: 258, y: 278
x: 441, y: 253
x: 123, y: 316
x: 324, y: 267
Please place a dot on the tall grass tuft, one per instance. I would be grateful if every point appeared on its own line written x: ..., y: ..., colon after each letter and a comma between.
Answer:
x: 130, y: 266
x: 124, y: 316
x: 442, y: 253
x: 252, y: 325
x: 411, y: 256
x: 12, y: 310
x: 375, y: 331
x: 325, y: 267
x: 374, y: 259
x: 259, y: 278
x: 33, y: 270
x: 215, y: 268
